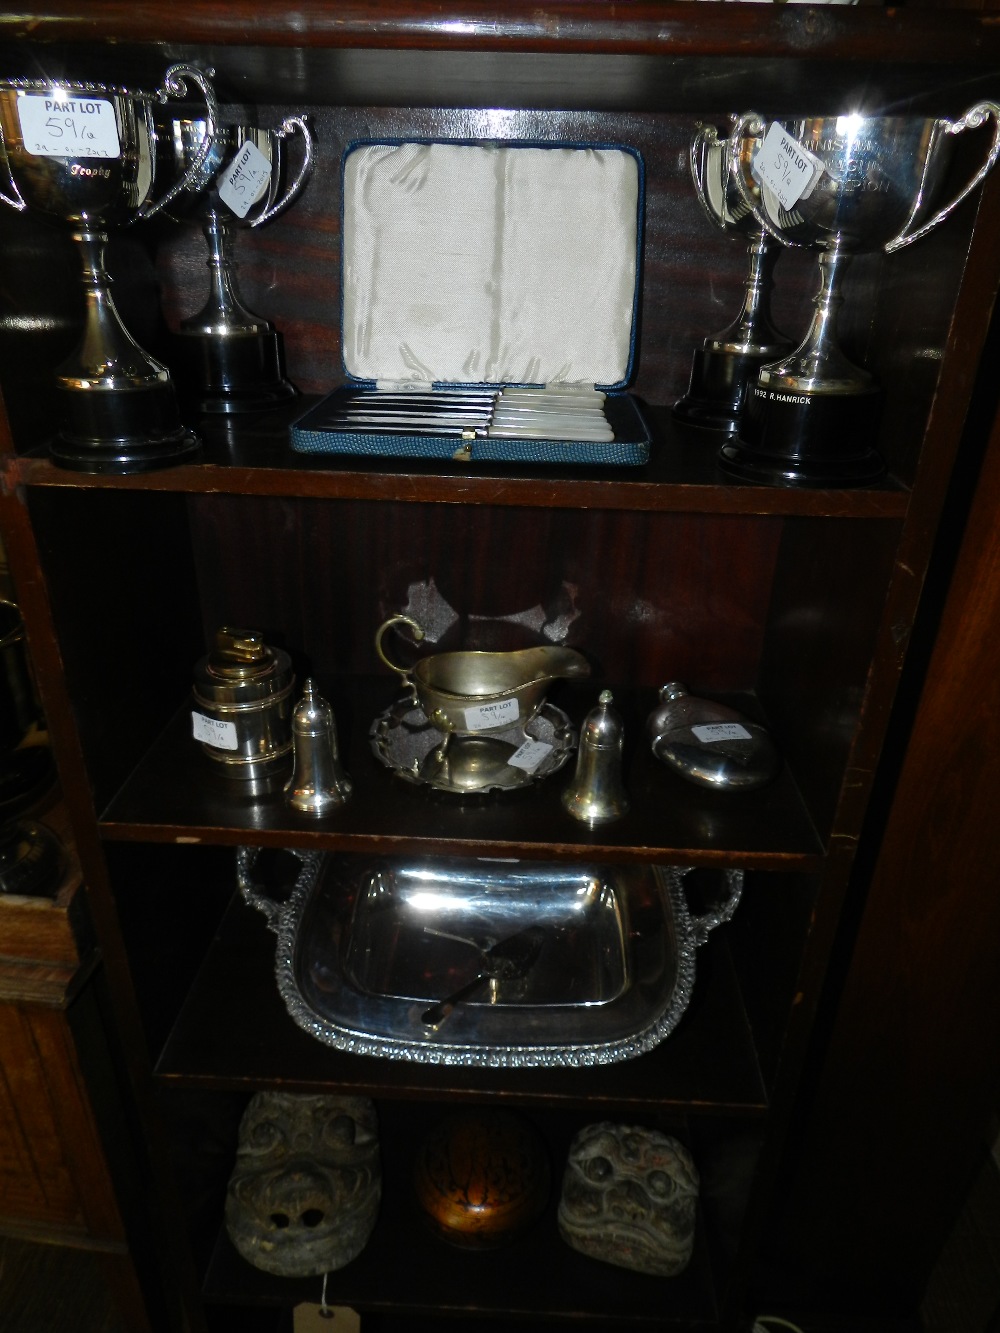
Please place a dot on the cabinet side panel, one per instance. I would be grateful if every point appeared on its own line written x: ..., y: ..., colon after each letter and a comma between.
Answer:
x: 829, y: 593
x: 122, y: 588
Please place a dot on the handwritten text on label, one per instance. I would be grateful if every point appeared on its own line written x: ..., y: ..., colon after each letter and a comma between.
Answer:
x: 71, y: 127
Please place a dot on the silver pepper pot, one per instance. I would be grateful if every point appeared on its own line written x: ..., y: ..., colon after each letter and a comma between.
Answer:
x: 597, y: 794
x: 318, y: 783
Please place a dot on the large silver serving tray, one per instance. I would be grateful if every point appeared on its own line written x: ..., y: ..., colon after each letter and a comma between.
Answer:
x: 367, y: 946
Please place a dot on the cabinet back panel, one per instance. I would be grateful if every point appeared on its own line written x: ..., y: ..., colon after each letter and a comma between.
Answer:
x: 693, y: 274
x: 646, y: 597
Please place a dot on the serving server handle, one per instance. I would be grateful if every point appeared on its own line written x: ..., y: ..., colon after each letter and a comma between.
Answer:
x: 972, y: 119
x: 253, y: 892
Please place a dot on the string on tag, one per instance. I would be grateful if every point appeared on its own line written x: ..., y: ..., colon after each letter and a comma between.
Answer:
x: 324, y: 1310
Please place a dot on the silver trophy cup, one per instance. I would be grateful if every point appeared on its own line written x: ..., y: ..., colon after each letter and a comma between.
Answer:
x: 724, y: 368
x: 843, y: 185
x: 85, y: 153
x: 229, y: 359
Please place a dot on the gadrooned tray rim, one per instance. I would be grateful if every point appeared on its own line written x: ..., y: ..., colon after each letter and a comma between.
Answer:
x: 285, y: 920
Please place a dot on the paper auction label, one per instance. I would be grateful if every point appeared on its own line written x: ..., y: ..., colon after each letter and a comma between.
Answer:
x: 68, y: 126
x: 244, y: 180
x: 212, y: 731
x: 483, y: 717
x: 529, y: 755
x: 785, y: 167
x: 721, y: 731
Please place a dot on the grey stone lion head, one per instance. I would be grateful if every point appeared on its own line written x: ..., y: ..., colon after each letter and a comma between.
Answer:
x: 305, y: 1189
x: 629, y: 1197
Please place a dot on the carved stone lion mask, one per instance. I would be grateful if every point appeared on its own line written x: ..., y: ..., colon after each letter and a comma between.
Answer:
x: 305, y: 1189
x: 629, y: 1197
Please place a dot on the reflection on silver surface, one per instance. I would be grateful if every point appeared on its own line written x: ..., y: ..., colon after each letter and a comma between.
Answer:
x: 366, y: 945
x: 404, y: 740
x: 709, y: 743
x: 597, y: 794
x: 481, y: 692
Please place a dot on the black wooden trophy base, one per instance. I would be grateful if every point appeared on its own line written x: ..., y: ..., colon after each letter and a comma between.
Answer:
x: 719, y: 385
x: 233, y: 372
x: 803, y: 439
x: 112, y: 430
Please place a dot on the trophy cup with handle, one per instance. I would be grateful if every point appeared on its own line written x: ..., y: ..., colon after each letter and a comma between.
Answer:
x: 843, y: 185
x: 85, y: 153
x: 725, y: 367
x: 227, y: 357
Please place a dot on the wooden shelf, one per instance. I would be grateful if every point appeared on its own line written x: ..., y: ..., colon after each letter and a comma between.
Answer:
x: 234, y: 1032
x: 535, y: 1275
x: 176, y: 794
x: 251, y: 456
x: 594, y: 55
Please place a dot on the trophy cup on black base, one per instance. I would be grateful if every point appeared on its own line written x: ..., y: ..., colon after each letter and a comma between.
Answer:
x: 845, y: 185
x: 229, y: 358
x: 725, y: 367
x: 84, y: 153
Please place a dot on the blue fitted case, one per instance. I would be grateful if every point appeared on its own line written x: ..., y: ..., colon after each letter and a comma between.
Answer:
x: 483, y: 265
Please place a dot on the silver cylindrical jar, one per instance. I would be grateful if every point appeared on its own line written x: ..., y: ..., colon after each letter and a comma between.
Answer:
x: 243, y: 708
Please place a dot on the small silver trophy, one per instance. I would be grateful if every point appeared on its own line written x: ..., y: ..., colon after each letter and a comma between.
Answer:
x: 844, y: 185
x: 229, y: 358
x: 725, y: 367
x: 84, y: 153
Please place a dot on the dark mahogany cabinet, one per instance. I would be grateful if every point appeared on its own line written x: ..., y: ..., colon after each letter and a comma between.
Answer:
x: 796, y: 605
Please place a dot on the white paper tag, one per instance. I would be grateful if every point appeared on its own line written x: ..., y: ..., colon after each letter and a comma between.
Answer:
x: 244, y: 180
x: 529, y: 755
x: 212, y: 731
x: 316, y: 1319
x: 721, y: 731
x: 785, y: 167
x: 483, y: 717
x: 53, y: 126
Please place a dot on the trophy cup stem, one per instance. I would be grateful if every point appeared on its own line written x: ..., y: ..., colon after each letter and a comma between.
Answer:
x: 117, y: 407
x: 810, y: 417
x: 752, y: 331
x: 725, y: 367
x: 224, y: 312
x: 107, y: 355
x: 232, y: 355
x: 818, y: 365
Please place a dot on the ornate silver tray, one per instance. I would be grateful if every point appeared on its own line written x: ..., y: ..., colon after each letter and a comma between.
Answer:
x: 368, y: 947
x: 521, y: 754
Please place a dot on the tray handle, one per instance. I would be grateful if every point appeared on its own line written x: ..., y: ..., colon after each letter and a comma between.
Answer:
x: 703, y: 925
x: 254, y: 894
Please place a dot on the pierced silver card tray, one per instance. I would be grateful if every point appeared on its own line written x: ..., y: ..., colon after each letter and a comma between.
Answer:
x: 524, y: 753
x: 368, y: 947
